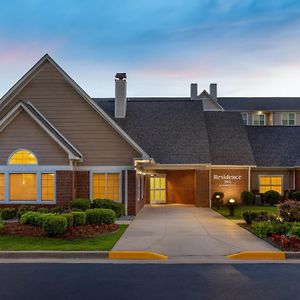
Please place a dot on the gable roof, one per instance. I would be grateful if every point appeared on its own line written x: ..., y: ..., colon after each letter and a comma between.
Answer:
x: 172, y: 132
x: 229, y: 144
x: 286, y: 151
x: 26, y: 78
x: 206, y: 95
x: 260, y: 103
x: 73, y: 153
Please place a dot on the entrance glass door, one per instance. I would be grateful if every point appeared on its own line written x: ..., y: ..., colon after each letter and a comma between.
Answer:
x: 157, y: 190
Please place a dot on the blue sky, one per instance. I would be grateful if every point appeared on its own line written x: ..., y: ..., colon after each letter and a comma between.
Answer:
x: 249, y: 47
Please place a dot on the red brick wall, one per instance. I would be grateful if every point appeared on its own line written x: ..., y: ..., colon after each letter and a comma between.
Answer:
x: 82, y: 184
x: 64, y: 187
x: 202, y: 188
x: 134, y: 206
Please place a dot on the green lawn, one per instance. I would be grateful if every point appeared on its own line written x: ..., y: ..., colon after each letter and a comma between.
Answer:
x: 101, y: 243
x: 238, y: 211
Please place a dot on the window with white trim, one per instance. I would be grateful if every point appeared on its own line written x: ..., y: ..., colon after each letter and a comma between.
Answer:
x: 288, y: 118
x: 245, y: 118
x: 22, y: 157
x: 47, y: 186
x: 2, y: 186
x: 259, y: 120
x: 270, y: 182
x: 106, y: 186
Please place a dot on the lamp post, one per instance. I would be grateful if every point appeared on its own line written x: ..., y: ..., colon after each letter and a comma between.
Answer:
x: 231, y: 207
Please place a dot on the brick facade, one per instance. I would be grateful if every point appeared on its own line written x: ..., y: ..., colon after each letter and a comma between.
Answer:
x: 64, y: 187
x: 82, y: 184
x: 202, y: 188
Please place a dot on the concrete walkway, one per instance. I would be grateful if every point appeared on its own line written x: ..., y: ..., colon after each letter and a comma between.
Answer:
x: 187, y: 231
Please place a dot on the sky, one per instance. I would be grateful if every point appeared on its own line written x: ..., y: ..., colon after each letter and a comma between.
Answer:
x: 248, y: 47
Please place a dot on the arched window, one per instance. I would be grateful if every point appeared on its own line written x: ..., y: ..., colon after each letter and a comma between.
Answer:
x: 22, y: 157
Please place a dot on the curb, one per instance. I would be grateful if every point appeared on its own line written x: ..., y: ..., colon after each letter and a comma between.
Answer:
x: 54, y: 254
x: 292, y: 255
x: 142, y: 255
x: 256, y: 255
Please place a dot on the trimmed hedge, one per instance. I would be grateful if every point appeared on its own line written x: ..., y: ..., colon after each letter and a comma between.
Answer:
x: 250, y: 216
x: 100, y: 216
x: 296, y: 196
x: 8, y: 213
x: 80, y: 203
x: 267, y: 228
x: 247, y: 198
x: 34, y: 218
x: 70, y: 219
x: 24, y: 209
x: 79, y: 218
x: 1, y: 223
x: 271, y: 197
x: 54, y: 225
x: 118, y: 208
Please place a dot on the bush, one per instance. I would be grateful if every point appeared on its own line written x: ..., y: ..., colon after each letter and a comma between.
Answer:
x: 24, y: 209
x: 296, y: 196
x: 290, y: 211
x: 79, y: 218
x: 1, y: 224
x: 250, y: 216
x: 70, y: 219
x: 295, y: 230
x: 271, y: 197
x: 217, y: 199
x: 8, y: 213
x: 34, y: 218
x: 43, y: 210
x: 262, y: 229
x: 82, y: 204
x: 247, y: 198
x: 58, y: 209
x: 100, y: 216
x: 281, y: 227
x: 54, y: 225
x: 118, y: 208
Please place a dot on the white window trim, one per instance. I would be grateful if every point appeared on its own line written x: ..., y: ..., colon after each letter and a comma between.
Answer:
x: 289, y: 112
x: 38, y: 185
x: 253, y: 119
x: 138, y: 178
x: 105, y: 172
x: 272, y: 175
x: 247, y: 119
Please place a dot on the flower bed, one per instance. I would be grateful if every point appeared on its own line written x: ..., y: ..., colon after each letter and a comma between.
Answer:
x: 86, y: 231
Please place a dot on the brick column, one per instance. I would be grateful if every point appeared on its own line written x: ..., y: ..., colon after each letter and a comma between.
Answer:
x: 82, y: 184
x: 202, y: 188
x: 64, y: 187
x: 131, y: 189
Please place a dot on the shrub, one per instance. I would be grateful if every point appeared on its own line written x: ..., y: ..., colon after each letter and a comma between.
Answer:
x: 217, y: 199
x: 70, y: 219
x: 118, y: 208
x: 1, y: 224
x: 296, y: 196
x: 82, y: 204
x: 271, y: 197
x: 54, y: 225
x: 100, y: 216
x: 262, y: 229
x: 43, y: 210
x: 290, y: 195
x: 34, y: 218
x: 250, y: 216
x: 247, y: 198
x: 24, y: 209
x: 57, y: 209
x: 281, y: 227
x: 295, y: 230
x: 290, y: 211
x: 79, y: 218
x: 8, y: 213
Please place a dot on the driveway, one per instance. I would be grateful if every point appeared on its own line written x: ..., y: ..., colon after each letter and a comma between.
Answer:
x: 177, y: 230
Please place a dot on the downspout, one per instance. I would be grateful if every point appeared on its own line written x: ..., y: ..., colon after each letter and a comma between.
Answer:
x: 249, y: 179
x: 126, y: 193
x: 73, y: 180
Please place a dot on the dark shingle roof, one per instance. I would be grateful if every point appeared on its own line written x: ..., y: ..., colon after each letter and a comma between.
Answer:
x: 260, y: 103
x: 172, y: 132
x: 229, y: 144
x: 275, y: 146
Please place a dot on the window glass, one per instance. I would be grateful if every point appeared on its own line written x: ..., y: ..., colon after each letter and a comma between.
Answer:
x: 22, y: 187
x: 259, y: 120
x: 47, y: 187
x: 245, y: 118
x: 2, y: 187
x: 288, y: 119
x: 268, y: 183
x: 23, y: 157
x: 106, y: 185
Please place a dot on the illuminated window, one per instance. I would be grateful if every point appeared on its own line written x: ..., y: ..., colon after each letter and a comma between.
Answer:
x: 106, y: 185
x: 47, y: 187
x: 245, y: 118
x: 157, y: 189
x: 22, y: 157
x: 2, y: 185
x: 288, y: 119
x: 22, y: 187
x: 259, y: 120
x: 267, y: 183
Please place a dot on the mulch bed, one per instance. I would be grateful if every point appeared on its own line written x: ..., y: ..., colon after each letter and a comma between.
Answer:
x: 86, y: 231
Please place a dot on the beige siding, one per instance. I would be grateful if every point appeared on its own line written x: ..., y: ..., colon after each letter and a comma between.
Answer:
x: 208, y: 104
x: 99, y: 143
x: 277, y: 118
x: 24, y: 132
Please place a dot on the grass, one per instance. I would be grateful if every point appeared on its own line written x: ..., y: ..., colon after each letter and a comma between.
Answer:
x: 101, y: 243
x: 240, y: 209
